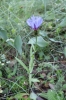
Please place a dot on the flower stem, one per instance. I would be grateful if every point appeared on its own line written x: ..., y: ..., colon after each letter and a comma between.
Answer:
x: 36, y: 33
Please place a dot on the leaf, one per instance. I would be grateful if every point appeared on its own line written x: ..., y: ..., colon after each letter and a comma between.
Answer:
x: 33, y: 96
x: 3, y: 34
x: 10, y: 42
x: 22, y: 64
x: 20, y: 95
x: 63, y: 23
x: 43, y: 95
x: 53, y: 40
x: 43, y: 33
x: 40, y: 41
x: 51, y: 95
x: 18, y: 44
x: 35, y: 80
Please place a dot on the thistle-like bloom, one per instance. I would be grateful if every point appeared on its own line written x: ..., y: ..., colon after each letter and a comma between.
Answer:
x: 34, y: 22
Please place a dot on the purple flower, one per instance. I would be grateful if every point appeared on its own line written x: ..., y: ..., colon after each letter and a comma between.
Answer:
x: 34, y: 22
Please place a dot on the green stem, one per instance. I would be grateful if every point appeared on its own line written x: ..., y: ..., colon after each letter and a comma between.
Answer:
x: 31, y: 65
x: 30, y: 77
x: 36, y: 40
x: 36, y: 33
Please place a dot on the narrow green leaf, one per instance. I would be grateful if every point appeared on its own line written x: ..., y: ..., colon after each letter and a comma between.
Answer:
x: 22, y: 64
x: 53, y: 40
x: 20, y: 95
x: 35, y: 80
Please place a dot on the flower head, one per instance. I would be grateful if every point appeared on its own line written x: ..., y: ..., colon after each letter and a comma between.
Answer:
x: 34, y: 22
